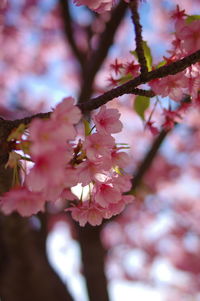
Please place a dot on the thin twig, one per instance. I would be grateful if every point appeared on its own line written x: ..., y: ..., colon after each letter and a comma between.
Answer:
x: 138, y: 36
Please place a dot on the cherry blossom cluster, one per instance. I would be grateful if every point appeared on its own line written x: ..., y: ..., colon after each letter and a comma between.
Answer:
x: 62, y: 161
x: 186, y: 41
x: 121, y: 72
x: 176, y: 87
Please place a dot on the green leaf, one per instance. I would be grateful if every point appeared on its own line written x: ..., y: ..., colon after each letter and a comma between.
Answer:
x: 17, y: 133
x: 141, y: 104
x: 162, y: 63
x: 125, y: 78
x: 192, y: 18
x: 133, y: 52
x: 147, y: 54
x: 87, y: 127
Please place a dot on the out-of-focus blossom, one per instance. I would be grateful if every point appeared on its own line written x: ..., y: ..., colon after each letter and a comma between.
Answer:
x: 22, y: 200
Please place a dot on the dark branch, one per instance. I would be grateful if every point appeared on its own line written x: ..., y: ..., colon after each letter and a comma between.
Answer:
x: 68, y: 31
x: 99, y: 54
x: 138, y: 36
x: 128, y: 87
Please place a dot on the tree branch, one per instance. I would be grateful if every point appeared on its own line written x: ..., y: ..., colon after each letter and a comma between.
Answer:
x: 68, y: 30
x: 99, y: 55
x: 138, y: 36
x: 128, y: 87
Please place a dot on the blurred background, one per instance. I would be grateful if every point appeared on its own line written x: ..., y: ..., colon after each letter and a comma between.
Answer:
x: 51, y: 49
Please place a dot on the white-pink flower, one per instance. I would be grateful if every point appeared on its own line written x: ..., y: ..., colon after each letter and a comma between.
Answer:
x: 22, y: 200
x: 107, y: 121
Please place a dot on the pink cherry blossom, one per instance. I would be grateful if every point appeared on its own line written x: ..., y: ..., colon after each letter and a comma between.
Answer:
x: 68, y: 195
x: 107, y: 121
x: 171, y: 85
x: 46, y: 135
x: 87, y: 212
x: 97, y: 145
x: 87, y: 170
x: 123, y: 182
x: 71, y: 176
x: 116, y: 208
x: 22, y: 200
x: 48, y: 171
x: 106, y: 193
x: 67, y: 112
x: 132, y: 68
x: 120, y: 159
x: 154, y: 130
x: 189, y: 34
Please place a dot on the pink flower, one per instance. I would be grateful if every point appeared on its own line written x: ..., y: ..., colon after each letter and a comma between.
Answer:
x: 106, y: 193
x: 22, y: 200
x: 170, y: 118
x: 48, y: 171
x: 116, y: 208
x: 178, y: 14
x: 116, y: 66
x: 97, y: 145
x: 189, y: 34
x: 132, y: 68
x: 99, y: 6
x: 46, y: 135
x: 154, y: 131
x: 172, y: 86
x: 120, y: 159
x: 107, y: 121
x: 71, y: 178
x: 87, y: 212
x: 87, y: 170
x: 123, y: 182
x: 68, y: 195
x: 67, y: 112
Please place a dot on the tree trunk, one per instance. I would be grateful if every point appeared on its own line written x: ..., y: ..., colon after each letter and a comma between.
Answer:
x: 25, y: 274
